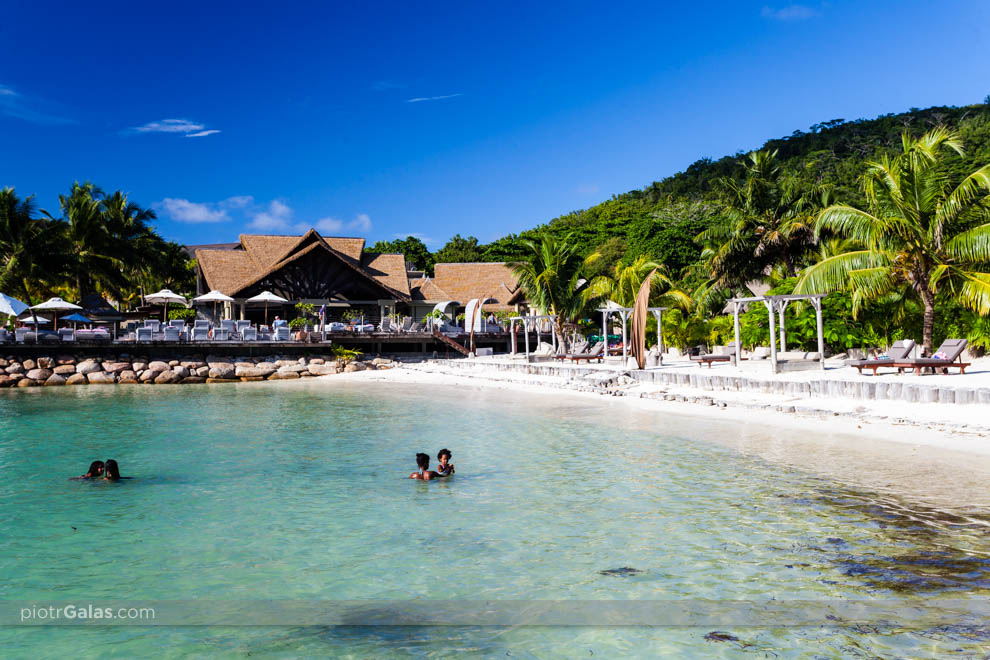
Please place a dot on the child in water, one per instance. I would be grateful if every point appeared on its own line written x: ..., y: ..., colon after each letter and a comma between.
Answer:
x: 425, y: 473
x: 95, y: 471
x: 445, y: 468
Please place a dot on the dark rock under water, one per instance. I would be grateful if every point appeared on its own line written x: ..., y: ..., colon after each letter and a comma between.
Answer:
x: 621, y: 572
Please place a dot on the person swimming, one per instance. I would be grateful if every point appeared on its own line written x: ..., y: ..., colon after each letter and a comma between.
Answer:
x: 95, y: 471
x: 111, y: 471
x: 444, y: 468
x: 425, y: 473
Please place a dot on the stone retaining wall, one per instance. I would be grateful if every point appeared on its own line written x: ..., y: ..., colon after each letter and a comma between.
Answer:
x: 866, y: 388
x: 56, y: 370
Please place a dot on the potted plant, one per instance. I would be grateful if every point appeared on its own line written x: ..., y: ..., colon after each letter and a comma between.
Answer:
x: 298, y: 325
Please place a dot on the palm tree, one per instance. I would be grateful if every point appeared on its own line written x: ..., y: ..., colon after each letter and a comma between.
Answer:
x: 552, y: 277
x: 767, y: 224
x: 920, y: 237
x: 25, y: 241
x: 624, y: 282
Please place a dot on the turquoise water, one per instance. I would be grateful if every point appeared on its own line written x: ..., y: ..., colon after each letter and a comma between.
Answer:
x: 298, y: 491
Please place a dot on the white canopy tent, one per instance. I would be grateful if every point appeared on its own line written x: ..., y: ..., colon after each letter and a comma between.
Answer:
x: 535, y: 320
x: 776, y: 306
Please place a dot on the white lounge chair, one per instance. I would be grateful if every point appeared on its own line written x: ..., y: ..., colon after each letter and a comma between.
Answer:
x: 144, y: 334
x: 67, y: 334
x: 249, y: 334
x: 155, y: 326
x: 200, y: 334
x: 171, y: 334
x: 282, y: 333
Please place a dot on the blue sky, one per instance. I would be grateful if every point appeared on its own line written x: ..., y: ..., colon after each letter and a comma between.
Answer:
x: 432, y: 118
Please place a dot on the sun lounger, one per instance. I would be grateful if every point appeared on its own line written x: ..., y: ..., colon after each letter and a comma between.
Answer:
x: 952, y: 350
x: 596, y: 353
x: 155, y: 326
x: 282, y: 333
x: 201, y: 323
x: 200, y: 334
x: 178, y: 324
x: 709, y: 359
x: 898, y: 351
x: 239, y: 326
x: 144, y: 334
x: 4, y: 336
x: 171, y: 334
x: 67, y: 334
x: 21, y: 335
x: 249, y: 334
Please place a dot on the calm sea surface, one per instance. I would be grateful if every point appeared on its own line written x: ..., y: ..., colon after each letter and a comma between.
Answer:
x: 298, y: 492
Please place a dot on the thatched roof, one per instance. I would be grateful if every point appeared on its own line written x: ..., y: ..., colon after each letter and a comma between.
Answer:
x: 465, y: 281
x: 424, y: 289
x: 230, y: 270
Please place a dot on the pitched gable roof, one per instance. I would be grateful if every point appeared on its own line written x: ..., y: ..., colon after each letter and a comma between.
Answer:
x: 389, y: 269
x: 426, y: 290
x: 474, y: 280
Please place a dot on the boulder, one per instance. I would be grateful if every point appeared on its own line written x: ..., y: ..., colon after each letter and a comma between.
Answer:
x: 45, y: 363
x: 286, y: 363
x: 354, y: 366
x: 29, y: 364
x: 39, y: 374
x: 284, y: 375
x: 192, y: 380
x: 4, y: 364
x: 173, y: 363
x: 6, y: 381
x: 180, y: 371
x: 243, y: 364
x: 129, y: 380
x: 370, y: 365
x: 223, y: 380
x: 222, y: 370
x: 317, y: 361
x: 158, y: 365
x: 167, y: 378
x: 380, y: 361
x: 306, y: 374
x: 252, y: 379
x: 203, y: 371
x: 139, y: 365
x: 88, y: 367
x: 267, y: 368
x: 149, y: 375
x: 129, y: 374
x: 292, y: 368
x: 76, y: 379
x: 26, y: 382
x: 15, y: 377
x: 303, y: 360
x: 218, y: 363
x: 65, y: 369
x: 54, y: 380
x: 14, y: 368
x: 192, y: 364
x: 100, y: 378
x: 116, y: 367
x: 322, y: 369
x: 249, y: 372
x: 65, y: 359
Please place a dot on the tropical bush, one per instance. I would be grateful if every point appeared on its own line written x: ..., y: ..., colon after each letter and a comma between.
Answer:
x: 181, y: 314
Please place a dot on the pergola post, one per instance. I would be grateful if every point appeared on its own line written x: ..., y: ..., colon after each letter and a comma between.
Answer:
x: 773, y: 335
x: 512, y: 336
x: 526, y: 334
x: 817, y: 302
x: 735, y: 327
x: 783, y: 329
x: 553, y: 337
x: 605, y: 330
x: 658, y: 312
x: 625, y: 316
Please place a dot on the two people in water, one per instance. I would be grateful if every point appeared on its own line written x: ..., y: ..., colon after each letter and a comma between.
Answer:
x: 444, y: 467
x: 108, y: 471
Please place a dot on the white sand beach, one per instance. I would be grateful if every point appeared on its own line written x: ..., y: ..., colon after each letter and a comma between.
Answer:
x: 933, y: 453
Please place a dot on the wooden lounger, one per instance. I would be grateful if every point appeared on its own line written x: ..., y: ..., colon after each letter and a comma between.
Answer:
x: 951, y: 348
x: 898, y: 351
x: 709, y: 359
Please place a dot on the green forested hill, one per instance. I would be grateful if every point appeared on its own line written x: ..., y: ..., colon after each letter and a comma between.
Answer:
x: 662, y: 219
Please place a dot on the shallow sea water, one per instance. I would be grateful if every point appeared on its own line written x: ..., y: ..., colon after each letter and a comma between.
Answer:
x: 298, y: 491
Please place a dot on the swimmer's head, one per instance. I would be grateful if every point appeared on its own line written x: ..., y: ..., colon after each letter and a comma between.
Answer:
x: 423, y: 461
x: 442, y: 453
x: 95, y: 469
x: 112, y: 471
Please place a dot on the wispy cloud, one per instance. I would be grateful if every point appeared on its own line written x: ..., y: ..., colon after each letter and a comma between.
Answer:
x: 274, y: 216
x: 182, y: 210
x: 791, y: 13
x: 203, y: 133
x: 420, y: 99
x: 16, y: 105
x: 184, y: 127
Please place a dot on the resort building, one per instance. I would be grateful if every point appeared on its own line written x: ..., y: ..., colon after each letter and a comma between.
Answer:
x: 338, y: 273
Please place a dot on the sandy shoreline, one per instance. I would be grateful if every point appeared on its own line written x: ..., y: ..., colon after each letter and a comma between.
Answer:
x: 947, y: 469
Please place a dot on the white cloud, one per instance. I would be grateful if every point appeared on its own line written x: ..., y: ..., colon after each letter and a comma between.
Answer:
x: 791, y: 13
x: 328, y: 226
x: 275, y: 217
x: 362, y: 222
x: 184, y: 126
x: 16, y: 105
x: 182, y: 210
x: 238, y: 202
x: 7, y: 91
x: 204, y: 133
x: 420, y: 99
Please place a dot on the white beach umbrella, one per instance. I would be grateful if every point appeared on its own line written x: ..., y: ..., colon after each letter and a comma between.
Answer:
x: 34, y: 320
x: 164, y: 297
x: 267, y: 297
x: 57, y: 305
x: 11, y: 306
x: 213, y: 297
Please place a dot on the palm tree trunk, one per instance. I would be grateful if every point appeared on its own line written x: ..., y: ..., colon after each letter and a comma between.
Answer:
x: 928, y: 326
x: 558, y: 328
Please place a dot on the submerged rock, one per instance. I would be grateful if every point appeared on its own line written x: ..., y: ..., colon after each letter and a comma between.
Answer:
x: 621, y: 572
x: 717, y: 636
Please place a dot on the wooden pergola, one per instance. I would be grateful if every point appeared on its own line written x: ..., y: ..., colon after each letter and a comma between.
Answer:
x: 776, y: 305
x: 535, y: 320
x: 624, y: 312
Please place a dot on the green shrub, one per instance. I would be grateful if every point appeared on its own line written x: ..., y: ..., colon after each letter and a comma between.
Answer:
x: 182, y: 314
x: 297, y: 323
